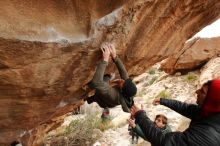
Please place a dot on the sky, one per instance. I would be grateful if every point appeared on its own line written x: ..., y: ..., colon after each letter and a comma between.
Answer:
x: 212, y: 30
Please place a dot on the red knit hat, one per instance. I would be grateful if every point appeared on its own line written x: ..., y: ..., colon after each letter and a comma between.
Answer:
x: 211, y: 104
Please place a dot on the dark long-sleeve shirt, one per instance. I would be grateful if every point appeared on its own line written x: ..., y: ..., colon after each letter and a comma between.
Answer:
x: 107, y: 96
x: 201, y: 132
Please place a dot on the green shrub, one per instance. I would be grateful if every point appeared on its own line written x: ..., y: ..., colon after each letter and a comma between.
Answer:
x: 163, y: 94
x: 72, y: 126
x: 191, y: 77
x: 152, y: 71
x: 152, y: 80
x: 79, y: 132
x: 105, y: 126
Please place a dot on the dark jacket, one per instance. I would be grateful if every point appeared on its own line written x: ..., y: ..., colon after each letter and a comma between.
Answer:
x: 137, y: 129
x: 201, y: 131
x: 107, y: 96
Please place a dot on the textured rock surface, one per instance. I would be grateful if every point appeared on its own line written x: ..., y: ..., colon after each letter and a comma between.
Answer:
x: 52, y: 20
x: 194, y: 54
x: 210, y: 71
x: 42, y: 81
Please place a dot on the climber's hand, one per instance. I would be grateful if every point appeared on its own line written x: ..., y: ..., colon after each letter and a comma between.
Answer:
x: 131, y: 123
x: 112, y: 50
x: 134, y: 110
x: 156, y: 101
x: 105, y: 52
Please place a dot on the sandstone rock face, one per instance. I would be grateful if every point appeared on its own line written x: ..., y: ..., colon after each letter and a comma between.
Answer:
x: 52, y: 20
x: 49, y: 50
x: 193, y: 55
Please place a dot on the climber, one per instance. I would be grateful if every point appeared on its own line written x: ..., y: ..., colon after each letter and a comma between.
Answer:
x: 106, y: 95
x: 204, y: 128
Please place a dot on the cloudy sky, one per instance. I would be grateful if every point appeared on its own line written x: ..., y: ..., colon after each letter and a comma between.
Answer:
x: 212, y: 30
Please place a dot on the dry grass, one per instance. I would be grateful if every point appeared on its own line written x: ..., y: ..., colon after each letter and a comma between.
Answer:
x: 164, y: 94
x: 81, y: 131
x: 191, y: 77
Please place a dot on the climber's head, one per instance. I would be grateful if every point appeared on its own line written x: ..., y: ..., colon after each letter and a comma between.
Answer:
x: 129, y: 89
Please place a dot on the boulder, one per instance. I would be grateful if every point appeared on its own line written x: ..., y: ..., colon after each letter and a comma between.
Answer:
x: 49, y: 50
x: 210, y: 71
x: 194, y: 55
